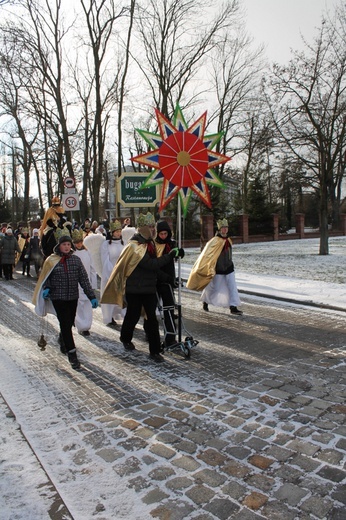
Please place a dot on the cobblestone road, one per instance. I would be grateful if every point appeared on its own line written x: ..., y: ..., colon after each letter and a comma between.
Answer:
x: 251, y: 426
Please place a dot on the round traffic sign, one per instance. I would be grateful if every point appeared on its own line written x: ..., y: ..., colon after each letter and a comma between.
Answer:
x: 69, y: 182
x: 71, y: 202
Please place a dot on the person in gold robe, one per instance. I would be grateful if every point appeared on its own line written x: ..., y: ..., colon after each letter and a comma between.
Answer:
x: 213, y: 273
x: 132, y: 284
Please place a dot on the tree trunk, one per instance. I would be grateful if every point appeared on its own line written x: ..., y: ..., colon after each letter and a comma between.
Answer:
x: 324, y: 245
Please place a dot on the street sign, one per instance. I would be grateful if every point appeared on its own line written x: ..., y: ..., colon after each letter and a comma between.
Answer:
x: 70, y: 202
x: 69, y: 182
x: 131, y: 195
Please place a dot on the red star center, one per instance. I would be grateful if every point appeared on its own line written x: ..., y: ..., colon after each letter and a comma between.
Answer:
x: 183, y: 159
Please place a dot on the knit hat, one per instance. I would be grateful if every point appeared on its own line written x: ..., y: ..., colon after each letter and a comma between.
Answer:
x: 65, y: 238
x: 77, y: 236
x: 115, y: 226
x: 35, y: 230
x: 9, y: 231
x: 163, y: 226
x: 222, y: 223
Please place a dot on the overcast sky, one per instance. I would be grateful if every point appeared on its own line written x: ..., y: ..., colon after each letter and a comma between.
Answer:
x: 279, y: 23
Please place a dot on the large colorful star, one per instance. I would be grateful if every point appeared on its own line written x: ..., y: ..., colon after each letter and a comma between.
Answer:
x: 182, y: 159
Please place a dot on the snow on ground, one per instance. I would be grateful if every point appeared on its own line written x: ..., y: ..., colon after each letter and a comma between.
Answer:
x: 290, y: 269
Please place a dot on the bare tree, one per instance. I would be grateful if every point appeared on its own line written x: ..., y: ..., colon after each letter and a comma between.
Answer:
x: 48, y: 30
x: 122, y: 85
x: 101, y: 92
x: 176, y: 38
x: 236, y: 69
x: 23, y: 132
x: 308, y: 104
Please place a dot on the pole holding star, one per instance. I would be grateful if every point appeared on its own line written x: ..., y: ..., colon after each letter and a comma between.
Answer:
x: 182, y: 159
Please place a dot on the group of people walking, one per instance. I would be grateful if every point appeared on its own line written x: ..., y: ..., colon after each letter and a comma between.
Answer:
x: 136, y: 267
x: 19, y: 247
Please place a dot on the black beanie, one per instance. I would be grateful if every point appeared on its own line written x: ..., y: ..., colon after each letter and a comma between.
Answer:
x: 65, y: 238
x: 163, y: 226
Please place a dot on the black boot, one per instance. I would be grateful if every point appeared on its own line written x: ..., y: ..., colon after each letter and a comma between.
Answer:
x: 112, y: 324
x: 72, y: 357
x: 63, y: 349
x: 205, y: 306
x: 235, y: 311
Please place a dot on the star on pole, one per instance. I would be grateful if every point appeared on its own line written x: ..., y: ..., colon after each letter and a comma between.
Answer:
x: 182, y: 159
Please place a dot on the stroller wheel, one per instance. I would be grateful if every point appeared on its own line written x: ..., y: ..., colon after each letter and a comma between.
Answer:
x: 186, y: 350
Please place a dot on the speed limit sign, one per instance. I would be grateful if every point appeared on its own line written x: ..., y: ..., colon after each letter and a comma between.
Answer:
x: 70, y: 202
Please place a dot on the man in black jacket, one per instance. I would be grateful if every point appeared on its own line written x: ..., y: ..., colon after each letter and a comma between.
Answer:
x: 135, y: 275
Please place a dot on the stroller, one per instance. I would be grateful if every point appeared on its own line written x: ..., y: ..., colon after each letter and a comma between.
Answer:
x: 169, y: 315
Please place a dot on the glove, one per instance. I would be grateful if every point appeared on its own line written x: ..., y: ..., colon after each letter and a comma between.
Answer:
x: 174, y: 252
x: 94, y: 303
x: 46, y: 293
x: 181, y: 253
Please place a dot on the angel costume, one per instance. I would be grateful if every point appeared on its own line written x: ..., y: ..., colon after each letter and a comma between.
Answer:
x: 84, y: 314
x: 110, y: 252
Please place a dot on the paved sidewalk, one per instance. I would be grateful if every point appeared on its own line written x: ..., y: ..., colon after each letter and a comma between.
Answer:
x: 252, y: 426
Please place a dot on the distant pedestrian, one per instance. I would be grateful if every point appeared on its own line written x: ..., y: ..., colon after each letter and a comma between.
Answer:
x: 87, y: 228
x: 133, y: 284
x: 2, y: 234
x: 18, y: 231
x: 9, y: 249
x: 25, y: 257
x: 57, y: 292
x: 35, y: 251
x: 94, y: 226
x: 101, y: 230
x: 213, y: 272
x: 54, y: 225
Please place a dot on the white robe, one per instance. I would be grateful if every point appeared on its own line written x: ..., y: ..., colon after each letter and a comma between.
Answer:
x: 84, y: 314
x: 109, y: 256
x: 221, y: 291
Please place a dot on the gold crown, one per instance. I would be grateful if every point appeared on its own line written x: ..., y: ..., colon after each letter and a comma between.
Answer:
x: 77, y: 235
x: 114, y: 226
x: 25, y: 230
x: 145, y: 220
x: 60, y: 232
x: 222, y: 223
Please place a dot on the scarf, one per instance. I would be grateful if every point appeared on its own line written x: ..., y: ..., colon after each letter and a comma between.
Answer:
x: 63, y: 261
x: 151, y: 249
x: 227, y: 245
x: 167, y: 249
